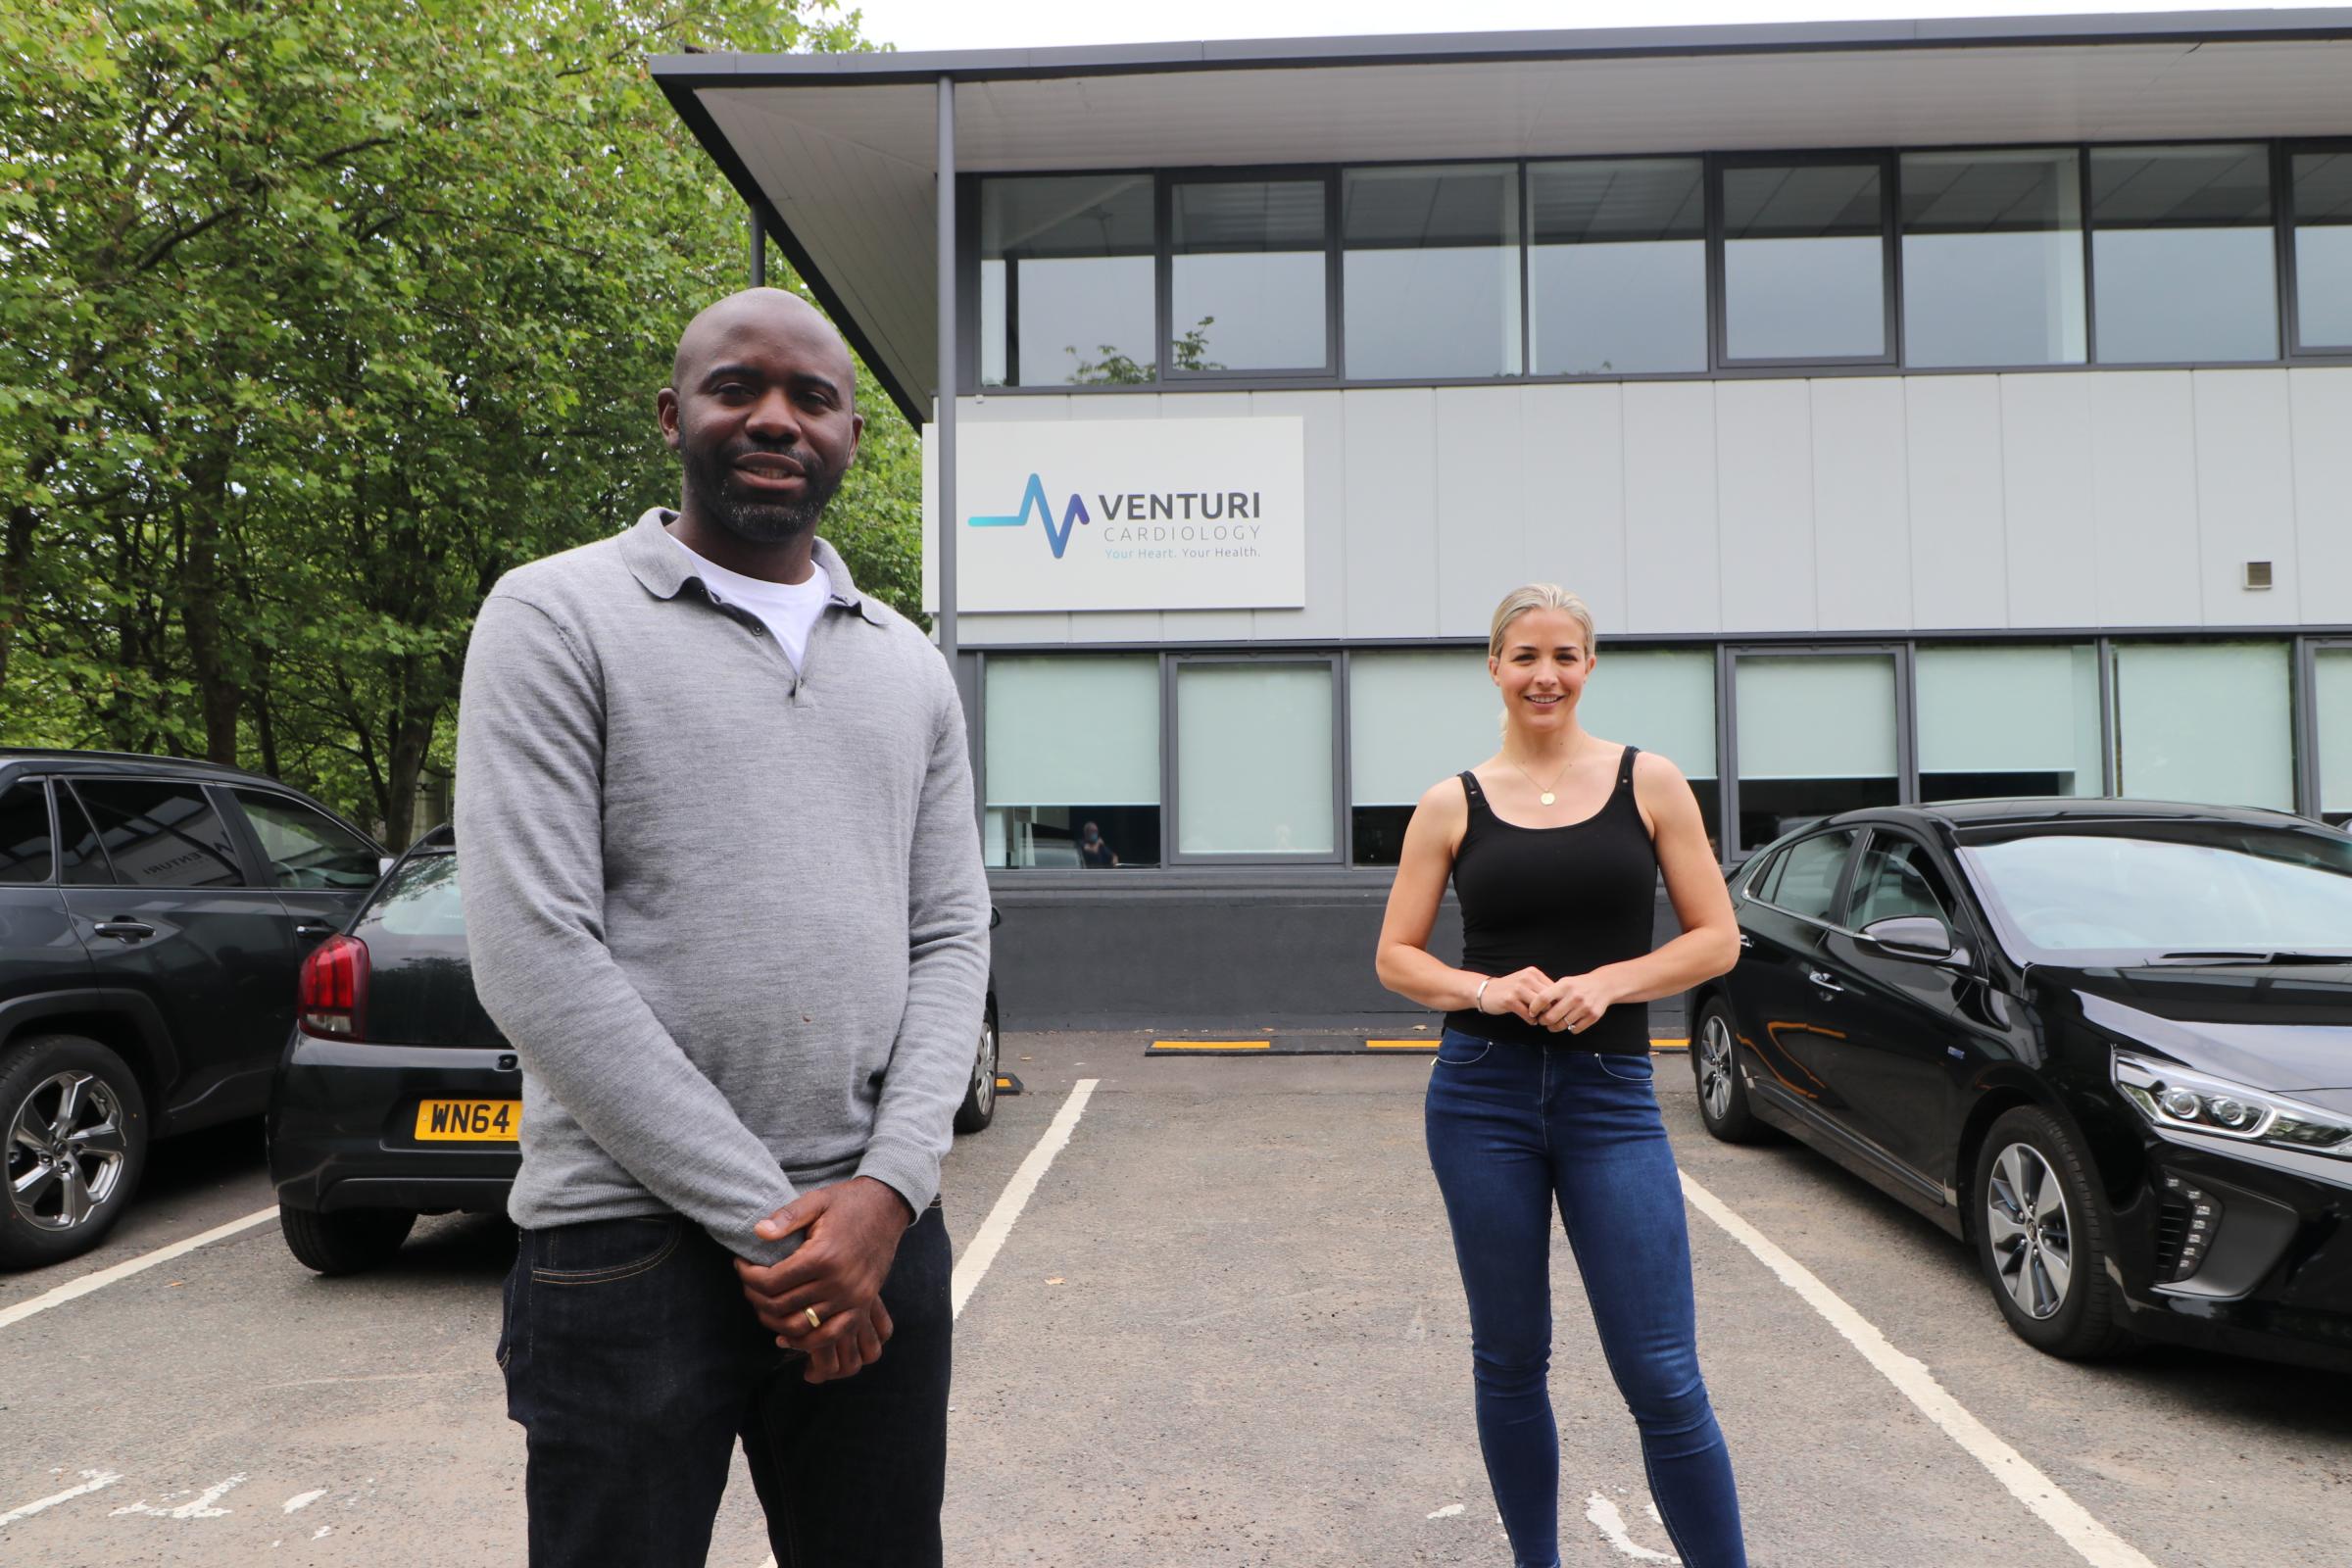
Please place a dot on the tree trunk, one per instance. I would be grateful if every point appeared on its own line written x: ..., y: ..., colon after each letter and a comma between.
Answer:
x: 202, y: 595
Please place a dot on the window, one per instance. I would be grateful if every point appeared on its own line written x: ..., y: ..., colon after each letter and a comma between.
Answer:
x: 1255, y: 763
x: 1617, y: 273
x: 1413, y: 719
x: 1898, y: 879
x: 1804, y: 261
x: 1067, y: 281
x: 27, y: 852
x: 1431, y: 270
x: 305, y: 849
x: 81, y: 861
x: 1756, y: 877
x: 1992, y: 257
x: 2332, y: 670
x: 1795, y: 766
x: 422, y: 900
x: 161, y: 834
x: 2205, y: 722
x: 1249, y: 275
x: 1072, y: 743
x: 2321, y: 185
x: 2008, y: 722
x: 1805, y: 882
x: 2181, y: 254
x: 1662, y: 701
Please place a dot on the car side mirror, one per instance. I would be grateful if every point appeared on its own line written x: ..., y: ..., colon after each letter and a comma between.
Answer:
x: 1920, y: 937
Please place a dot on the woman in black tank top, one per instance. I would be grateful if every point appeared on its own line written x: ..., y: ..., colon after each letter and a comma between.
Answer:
x: 1541, y: 1095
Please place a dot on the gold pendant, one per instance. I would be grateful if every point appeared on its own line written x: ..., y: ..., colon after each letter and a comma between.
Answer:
x: 1545, y: 797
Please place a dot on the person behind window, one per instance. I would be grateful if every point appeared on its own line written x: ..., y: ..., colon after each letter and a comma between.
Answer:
x: 1540, y: 1093
x: 1094, y: 849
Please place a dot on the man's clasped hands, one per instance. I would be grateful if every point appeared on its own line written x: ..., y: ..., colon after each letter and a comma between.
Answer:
x: 826, y: 1300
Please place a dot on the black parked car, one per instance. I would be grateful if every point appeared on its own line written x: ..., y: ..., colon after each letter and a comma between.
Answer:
x: 398, y: 1096
x: 153, y: 915
x: 2109, y: 1043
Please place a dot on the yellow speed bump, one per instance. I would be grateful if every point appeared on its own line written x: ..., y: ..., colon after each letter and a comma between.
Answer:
x: 1212, y: 1045
x: 1400, y: 1044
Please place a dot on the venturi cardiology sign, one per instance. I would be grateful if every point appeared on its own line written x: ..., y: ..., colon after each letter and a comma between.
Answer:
x: 1132, y: 514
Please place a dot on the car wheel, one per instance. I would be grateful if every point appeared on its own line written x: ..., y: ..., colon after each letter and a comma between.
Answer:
x: 76, y: 1126
x: 1715, y: 1065
x: 2042, y: 1237
x: 349, y: 1241
x: 979, y: 1106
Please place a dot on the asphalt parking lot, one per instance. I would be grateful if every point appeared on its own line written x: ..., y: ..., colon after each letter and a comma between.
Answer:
x: 1223, y: 1329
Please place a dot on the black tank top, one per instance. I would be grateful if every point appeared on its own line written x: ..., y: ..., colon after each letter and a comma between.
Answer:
x: 1565, y: 900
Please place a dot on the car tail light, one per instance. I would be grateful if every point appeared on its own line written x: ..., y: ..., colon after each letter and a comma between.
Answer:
x: 335, y: 989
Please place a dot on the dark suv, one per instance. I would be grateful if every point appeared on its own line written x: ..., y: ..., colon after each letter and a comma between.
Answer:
x: 154, y: 915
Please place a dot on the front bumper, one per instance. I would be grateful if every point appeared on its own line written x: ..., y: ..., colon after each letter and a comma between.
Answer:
x: 342, y: 1127
x: 2273, y: 1276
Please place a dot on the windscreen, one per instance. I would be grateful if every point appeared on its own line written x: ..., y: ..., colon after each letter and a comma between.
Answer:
x: 2174, y: 888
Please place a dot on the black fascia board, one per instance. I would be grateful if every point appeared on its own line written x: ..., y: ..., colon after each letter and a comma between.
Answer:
x: 875, y: 67
x: 689, y: 106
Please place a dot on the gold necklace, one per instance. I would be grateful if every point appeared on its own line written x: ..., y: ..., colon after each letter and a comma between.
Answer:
x: 1542, y: 794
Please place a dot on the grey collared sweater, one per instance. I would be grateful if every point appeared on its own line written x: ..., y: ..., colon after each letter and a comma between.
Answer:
x: 730, y: 915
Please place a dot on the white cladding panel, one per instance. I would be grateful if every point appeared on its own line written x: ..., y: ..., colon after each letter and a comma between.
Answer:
x: 1876, y: 504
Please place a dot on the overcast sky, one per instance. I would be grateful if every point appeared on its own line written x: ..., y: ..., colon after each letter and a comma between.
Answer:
x: 1023, y: 23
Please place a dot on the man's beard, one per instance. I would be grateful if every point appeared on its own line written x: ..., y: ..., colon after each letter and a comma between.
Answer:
x: 714, y: 483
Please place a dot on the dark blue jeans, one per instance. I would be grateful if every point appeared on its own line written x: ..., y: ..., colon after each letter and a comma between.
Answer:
x: 1512, y: 1130
x: 634, y: 1365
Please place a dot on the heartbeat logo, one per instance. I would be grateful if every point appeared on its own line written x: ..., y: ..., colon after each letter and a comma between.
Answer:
x: 1033, y: 498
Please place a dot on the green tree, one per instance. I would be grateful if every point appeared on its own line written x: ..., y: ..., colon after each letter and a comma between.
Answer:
x: 315, y: 319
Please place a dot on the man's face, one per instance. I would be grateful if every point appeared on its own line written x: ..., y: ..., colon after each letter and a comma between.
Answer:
x: 761, y: 419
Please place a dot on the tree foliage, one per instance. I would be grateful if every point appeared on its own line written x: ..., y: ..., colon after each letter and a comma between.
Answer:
x: 316, y: 316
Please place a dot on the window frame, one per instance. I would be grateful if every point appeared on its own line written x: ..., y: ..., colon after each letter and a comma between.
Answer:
x: 972, y: 329
x: 1164, y: 275
x: 1720, y: 354
x: 259, y: 851
x: 1841, y: 892
x: 1962, y: 922
x: 232, y: 819
x: 2283, y: 209
x: 1170, y: 816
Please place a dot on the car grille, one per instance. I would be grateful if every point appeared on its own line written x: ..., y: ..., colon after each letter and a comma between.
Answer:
x: 2171, y: 1231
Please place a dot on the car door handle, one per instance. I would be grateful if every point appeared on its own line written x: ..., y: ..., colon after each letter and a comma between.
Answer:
x: 1747, y: 941
x: 312, y: 928
x: 1821, y: 978
x: 124, y: 930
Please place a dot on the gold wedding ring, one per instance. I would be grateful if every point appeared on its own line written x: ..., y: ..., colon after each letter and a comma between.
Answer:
x: 814, y: 1322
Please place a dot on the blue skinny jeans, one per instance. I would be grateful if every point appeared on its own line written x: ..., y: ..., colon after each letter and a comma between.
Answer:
x: 1512, y: 1130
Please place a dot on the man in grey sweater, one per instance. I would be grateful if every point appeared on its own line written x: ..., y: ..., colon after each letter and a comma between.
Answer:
x: 723, y: 893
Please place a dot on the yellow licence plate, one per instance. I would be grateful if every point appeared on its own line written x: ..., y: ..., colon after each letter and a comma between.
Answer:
x: 473, y: 1121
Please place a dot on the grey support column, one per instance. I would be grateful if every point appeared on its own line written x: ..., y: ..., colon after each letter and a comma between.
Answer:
x: 944, y: 381
x: 759, y: 251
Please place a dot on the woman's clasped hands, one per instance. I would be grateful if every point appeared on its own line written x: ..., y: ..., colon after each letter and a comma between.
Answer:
x: 1568, y: 1006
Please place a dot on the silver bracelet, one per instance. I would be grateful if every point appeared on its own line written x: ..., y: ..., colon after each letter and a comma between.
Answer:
x: 1478, y: 1003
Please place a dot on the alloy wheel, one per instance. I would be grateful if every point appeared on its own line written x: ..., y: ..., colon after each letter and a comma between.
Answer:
x: 984, y: 1069
x: 65, y: 1151
x: 2025, y: 1221
x: 1715, y: 1066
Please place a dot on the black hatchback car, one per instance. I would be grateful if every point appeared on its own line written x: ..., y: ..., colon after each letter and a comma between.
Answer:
x: 154, y: 912
x: 2108, y: 1042
x: 397, y: 1095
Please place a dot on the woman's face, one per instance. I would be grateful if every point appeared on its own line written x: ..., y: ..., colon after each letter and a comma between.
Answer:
x: 1543, y: 669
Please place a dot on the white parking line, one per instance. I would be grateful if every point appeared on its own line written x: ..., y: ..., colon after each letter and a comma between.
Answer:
x: 97, y: 1481
x: 2091, y: 1540
x: 74, y: 1289
x: 1015, y: 1197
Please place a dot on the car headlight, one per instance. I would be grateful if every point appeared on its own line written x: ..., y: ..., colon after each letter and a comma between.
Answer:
x: 2170, y: 1095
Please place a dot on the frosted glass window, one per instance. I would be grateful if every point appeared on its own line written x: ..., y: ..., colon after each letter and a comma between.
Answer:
x: 2205, y: 722
x: 1253, y: 758
x: 1249, y: 275
x: 1617, y: 274
x: 1071, y: 759
x: 1662, y: 700
x: 2323, y: 198
x: 1992, y: 257
x: 1413, y: 719
x: 2002, y: 721
x: 1816, y: 737
x: 1804, y: 261
x: 1430, y: 279
x: 2182, y: 252
x: 2333, y: 688
x: 1066, y: 269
